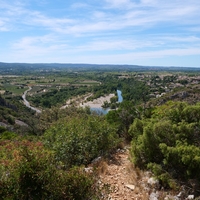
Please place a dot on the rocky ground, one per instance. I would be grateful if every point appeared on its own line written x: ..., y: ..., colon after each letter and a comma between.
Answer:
x: 97, y: 103
x: 81, y: 101
x: 125, y: 182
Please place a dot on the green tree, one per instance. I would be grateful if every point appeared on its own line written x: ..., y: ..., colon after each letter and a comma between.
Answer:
x: 80, y: 139
x: 168, y: 142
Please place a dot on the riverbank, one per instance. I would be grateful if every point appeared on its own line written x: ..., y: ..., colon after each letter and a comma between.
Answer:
x: 80, y: 101
x: 97, y: 103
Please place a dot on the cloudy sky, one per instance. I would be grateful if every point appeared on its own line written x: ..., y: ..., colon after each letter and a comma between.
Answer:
x: 142, y: 32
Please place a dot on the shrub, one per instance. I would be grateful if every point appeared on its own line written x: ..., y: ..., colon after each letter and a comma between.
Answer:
x: 169, y: 143
x: 79, y: 140
x: 29, y: 171
x: 7, y: 135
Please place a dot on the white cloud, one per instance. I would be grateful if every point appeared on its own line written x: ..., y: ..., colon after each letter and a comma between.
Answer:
x: 191, y: 39
x: 136, y: 16
x: 30, y: 49
x: 79, y: 5
x: 121, y: 4
x: 4, y: 25
x: 137, y: 57
x: 123, y: 29
x: 35, y: 46
x: 37, y: 19
x: 149, y: 2
x: 3, y: 29
x: 110, y: 45
x: 167, y: 52
x: 25, y: 42
x: 181, y: 11
x: 99, y: 15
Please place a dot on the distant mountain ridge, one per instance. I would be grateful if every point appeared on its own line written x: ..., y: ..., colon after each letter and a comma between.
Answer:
x: 8, y: 68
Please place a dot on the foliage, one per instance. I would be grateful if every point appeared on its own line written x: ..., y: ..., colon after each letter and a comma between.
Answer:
x: 52, y: 115
x: 80, y: 139
x: 134, y: 90
x: 12, y: 109
x: 55, y: 96
x: 29, y: 171
x: 6, y: 135
x: 169, y: 142
x: 123, y: 117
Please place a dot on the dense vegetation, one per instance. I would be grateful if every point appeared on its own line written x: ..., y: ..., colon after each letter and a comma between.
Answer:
x: 16, y: 117
x: 44, y: 156
x: 133, y: 90
x: 168, y: 143
x: 55, y: 97
x: 29, y: 171
x: 51, y: 166
x: 80, y: 139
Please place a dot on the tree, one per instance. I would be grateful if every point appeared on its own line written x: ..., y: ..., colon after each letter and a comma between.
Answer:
x: 123, y: 117
x: 79, y: 140
x: 168, y: 143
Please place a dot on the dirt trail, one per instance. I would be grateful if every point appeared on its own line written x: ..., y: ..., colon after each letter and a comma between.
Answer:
x: 126, y: 182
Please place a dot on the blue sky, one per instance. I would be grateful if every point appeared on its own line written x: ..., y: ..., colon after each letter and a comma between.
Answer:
x: 141, y: 32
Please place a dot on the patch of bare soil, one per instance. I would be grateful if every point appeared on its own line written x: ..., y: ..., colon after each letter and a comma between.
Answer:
x: 126, y: 182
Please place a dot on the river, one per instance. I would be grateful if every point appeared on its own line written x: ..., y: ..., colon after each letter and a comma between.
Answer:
x: 119, y: 94
x: 104, y: 111
x: 27, y: 104
x: 97, y: 110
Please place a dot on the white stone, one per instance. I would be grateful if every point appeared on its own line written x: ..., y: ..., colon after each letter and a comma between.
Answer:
x: 180, y: 194
x: 153, y: 196
x: 152, y: 181
x: 131, y: 187
x: 88, y: 169
x: 190, y: 196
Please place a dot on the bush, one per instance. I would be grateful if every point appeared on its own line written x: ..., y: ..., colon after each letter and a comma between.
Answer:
x: 169, y: 143
x: 7, y: 135
x: 79, y: 140
x: 2, y: 129
x: 29, y: 171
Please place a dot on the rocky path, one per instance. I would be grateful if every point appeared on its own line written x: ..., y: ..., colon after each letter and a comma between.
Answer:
x: 129, y: 183
x: 126, y: 182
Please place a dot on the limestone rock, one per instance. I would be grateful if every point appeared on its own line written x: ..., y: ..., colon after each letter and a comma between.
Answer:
x: 131, y: 187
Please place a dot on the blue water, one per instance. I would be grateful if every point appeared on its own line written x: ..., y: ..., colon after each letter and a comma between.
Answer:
x: 119, y: 94
x: 103, y: 111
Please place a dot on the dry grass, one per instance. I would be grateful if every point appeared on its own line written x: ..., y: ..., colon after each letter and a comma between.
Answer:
x: 101, y: 167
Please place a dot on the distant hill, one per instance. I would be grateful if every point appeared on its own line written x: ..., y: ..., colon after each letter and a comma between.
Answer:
x: 23, y: 68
